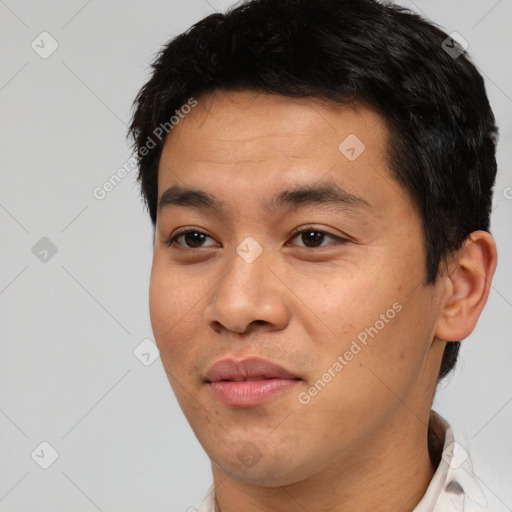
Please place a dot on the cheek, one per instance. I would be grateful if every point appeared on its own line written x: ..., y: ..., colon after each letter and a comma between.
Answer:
x: 368, y: 321
x: 343, y: 306
x: 162, y: 306
x: 174, y: 329
x: 173, y: 308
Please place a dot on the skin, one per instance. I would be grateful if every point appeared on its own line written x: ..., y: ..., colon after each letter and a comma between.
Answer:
x: 360, y: 444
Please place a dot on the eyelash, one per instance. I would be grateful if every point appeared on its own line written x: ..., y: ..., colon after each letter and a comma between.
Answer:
x: 338, y: 240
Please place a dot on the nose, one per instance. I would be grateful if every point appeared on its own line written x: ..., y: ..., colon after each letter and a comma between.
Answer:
x: 250, y: 296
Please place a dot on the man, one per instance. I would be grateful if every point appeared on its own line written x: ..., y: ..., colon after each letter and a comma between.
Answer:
x: 319, y: 174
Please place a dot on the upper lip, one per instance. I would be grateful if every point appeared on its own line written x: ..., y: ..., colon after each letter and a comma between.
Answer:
x: 253, y: 367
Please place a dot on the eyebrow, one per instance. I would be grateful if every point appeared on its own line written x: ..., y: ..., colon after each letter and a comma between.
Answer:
x: 327, y: 194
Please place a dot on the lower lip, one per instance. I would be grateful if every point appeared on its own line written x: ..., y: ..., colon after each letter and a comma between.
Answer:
x: 250, y: 392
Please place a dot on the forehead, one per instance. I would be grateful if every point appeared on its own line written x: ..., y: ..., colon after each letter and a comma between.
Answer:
x: 242, y: 122
x: 252, y: 142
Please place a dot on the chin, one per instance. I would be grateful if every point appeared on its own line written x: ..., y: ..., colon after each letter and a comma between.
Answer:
x: 250, y: 466
x: 266, y: 475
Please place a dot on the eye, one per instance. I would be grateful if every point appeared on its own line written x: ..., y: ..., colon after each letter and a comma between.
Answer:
x: 310, y: 237
x: 313, y: 238
x: 192, y: 238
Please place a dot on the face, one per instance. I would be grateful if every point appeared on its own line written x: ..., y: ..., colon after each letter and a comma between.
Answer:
x: 296, y: 262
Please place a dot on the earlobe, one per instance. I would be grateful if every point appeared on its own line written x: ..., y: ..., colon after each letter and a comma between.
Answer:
x: 467, y: 285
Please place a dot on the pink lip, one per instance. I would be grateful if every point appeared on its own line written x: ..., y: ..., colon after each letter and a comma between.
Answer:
x: 225, y: 380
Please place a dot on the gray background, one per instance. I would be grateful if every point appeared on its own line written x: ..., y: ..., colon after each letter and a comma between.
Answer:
x: 71, y: 321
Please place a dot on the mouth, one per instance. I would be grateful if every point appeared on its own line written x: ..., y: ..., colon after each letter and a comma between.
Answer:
x: 245, y: 379
x: 248, y: 382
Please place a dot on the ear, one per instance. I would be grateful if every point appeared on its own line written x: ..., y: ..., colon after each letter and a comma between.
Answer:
x: 467, y: 284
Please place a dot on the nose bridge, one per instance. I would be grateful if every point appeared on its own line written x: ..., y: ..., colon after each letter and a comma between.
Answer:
x: 248, y: 292
x: 246, y: 275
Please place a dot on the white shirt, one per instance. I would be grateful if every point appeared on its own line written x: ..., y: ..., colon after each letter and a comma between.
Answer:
x: 454, y: 486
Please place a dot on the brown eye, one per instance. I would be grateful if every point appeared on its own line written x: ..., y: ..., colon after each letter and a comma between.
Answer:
x: 191, y: 239
x: 313, y: 238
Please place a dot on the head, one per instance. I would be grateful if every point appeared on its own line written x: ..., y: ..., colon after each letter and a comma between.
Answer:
x: 347, y: 119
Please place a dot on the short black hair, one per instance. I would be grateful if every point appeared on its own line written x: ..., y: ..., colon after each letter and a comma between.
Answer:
x: 421, y: 81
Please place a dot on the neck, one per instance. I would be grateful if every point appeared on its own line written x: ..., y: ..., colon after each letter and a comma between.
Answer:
x: 391, y: 473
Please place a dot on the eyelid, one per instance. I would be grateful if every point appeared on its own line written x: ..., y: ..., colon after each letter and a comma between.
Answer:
x: 170, y: 242
x: 307, y: 227
x: 339, y: 240
x: 183, y: 231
